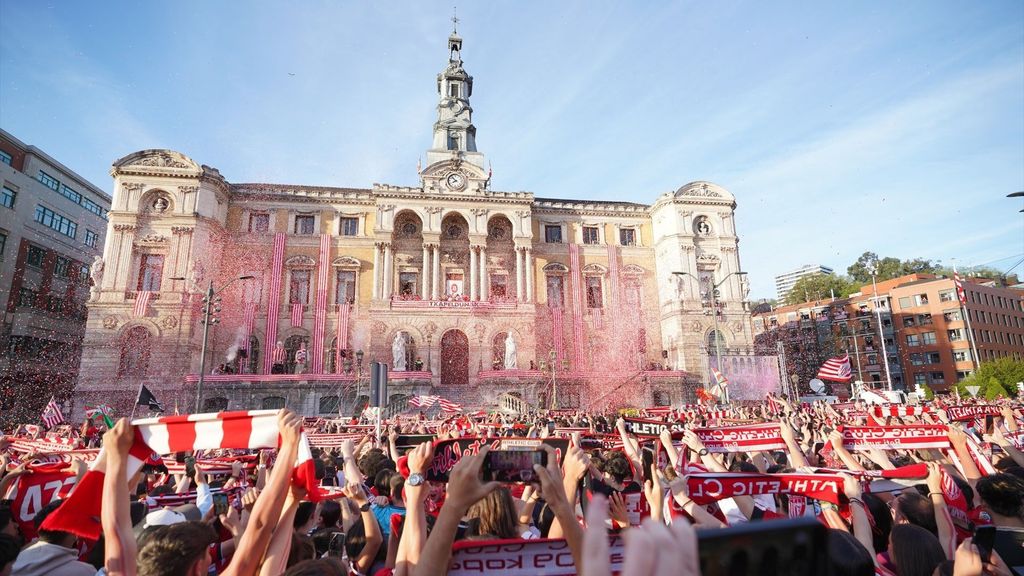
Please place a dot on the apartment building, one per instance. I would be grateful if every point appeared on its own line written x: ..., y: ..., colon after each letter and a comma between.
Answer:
x: 784, y: 282
x: 52, y: 224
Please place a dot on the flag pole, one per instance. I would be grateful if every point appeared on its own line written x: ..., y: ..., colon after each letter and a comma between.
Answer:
x: 136, y: 404
x: 958, y: 287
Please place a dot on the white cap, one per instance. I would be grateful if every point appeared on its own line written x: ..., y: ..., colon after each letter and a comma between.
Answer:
x: 163, y: 517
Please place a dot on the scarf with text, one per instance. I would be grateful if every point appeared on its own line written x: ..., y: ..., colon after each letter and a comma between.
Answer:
x: 714, y: 486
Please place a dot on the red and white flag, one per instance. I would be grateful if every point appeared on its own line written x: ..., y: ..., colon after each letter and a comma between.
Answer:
x: 774, y: 406
x: 899, y: 410
x: 141, y: 303
x: 252, y: 430
x: 836, y: 369
x: 907, y: 437
x: 423, y: 401
x: 449, y: 406
x: 961, y: 294
x: 52, y: 415
x: 296, y: 314
x: 721, y: 383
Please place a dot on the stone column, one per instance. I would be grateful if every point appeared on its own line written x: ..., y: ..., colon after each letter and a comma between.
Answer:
x: 519, y: 275
x: 472, y: 272
x: 119, y: 275
x: 424, y: 273
x: 435, y: 285
x: 528, y: 273
x: 484, y: 288
x: 376, y: 271
x: 388, y: 271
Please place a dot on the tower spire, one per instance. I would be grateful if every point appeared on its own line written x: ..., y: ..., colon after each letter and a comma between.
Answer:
x: 455, y: 20
x: 454, y: 133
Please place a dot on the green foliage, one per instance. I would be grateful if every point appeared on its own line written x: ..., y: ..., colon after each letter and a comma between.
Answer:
x: 820, y: 287
x: 1001, y: 375
x: 929, y: 394
x: 994, y: 390
x: 888, y: 267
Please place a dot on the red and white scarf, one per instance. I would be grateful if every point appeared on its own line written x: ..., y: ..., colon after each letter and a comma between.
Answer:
x: 714, y: 486
x: 908, y: 437
x: 899, y: 410
x: 750, y: 438
x: 255, y: 429
x: 970, y: 412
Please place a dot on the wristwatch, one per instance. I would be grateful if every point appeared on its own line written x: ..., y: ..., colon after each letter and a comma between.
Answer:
x: 703, y: 452
x: 415, y: 479
x: 365, y: 507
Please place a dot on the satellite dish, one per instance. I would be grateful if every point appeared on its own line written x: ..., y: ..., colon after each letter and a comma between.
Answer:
x: 817, y: 386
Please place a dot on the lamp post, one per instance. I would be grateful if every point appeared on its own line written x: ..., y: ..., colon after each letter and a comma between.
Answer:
x: 714, y: 310
x: 551, y: 364
x: 873, y: 270
x: 211, y: 306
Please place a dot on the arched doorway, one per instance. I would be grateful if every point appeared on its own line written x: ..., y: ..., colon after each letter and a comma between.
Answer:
x: 454, y: 358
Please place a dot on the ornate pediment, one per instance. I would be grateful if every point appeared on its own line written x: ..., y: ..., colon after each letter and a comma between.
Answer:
x: 346, y: 262
x: 594, y: 269
x: 300, y: 261
x: 556, y: 267
x: 152, y: 239
x: 633, y: 270
x: 157, y: 160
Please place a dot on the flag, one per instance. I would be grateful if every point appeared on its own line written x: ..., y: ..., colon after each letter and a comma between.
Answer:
x: 423, y: 401
x: 147, y: 399
x: 774, y: 406
x: 961, y: 294
x: 251, y: 430
x: 296, y: 314
x: 101, y: 411
x: 449, y: 406
x: 51, y: 414
x: 141, y: 303
x: 721, y: 382
x: 836, y: 369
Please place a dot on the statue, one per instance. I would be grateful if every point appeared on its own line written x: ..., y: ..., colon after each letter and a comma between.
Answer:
x: 96, y: 273
x: 196, y: 277
x: 398, y: 353
x: 745, y: 286
x: 703, y: 227
x: 511, y: 361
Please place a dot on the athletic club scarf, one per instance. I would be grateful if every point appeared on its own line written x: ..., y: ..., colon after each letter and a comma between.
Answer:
x: 899, y: 410
x: 711, y: 487
x: 751, y: 438
x: 333, y: 440
x: 968, y: 412
x: 46, y: 483
x: 255, y: 429
x: 551, y: 557
x: 642, y: 428
x: 908, y: 437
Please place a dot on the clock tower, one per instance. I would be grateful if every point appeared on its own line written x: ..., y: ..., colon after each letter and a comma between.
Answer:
x: 454, y: 133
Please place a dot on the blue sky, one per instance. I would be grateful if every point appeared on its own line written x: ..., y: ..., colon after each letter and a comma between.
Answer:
x: 896, y: 127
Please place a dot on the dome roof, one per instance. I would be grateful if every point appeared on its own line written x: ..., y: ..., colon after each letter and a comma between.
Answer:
x: 704, y: 190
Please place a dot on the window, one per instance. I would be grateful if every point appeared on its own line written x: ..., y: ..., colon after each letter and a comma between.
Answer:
x: 909, y: 321
x: 453, y: 89
x: 3, y: 244
x: 905, y: 302
x: 947, y: 296
x: 627, y: 237
x: 499, y: 285
x: 553, y: 234
x: 70, y: 194
x: 920, y: 299
x: 349, y: 226
x: 556, y: 291
x: 91, y: 238
x: 151, y: 272
x: 304, y: 224
x: 917, y: 359
x: 938, y: 378
x: 928, y: 338
x: 961, y: 356
x: 6, y: 158
x: 62, y: 267
x: 27, y: 297
x: 953, y: 316
x: 913, y: 340
x: 924, y: 319
x: 298, y: 287
x: 7, y: 197
x: 49, y: 181
x: 35, y: 256
x: 934, y: 358
x: 83, y: 274
x: 94, y: 208
x: 407, y: 283
x: 345, y: 289
x: 920, y: 379
x: 260, y: 222
x: 595, y: 297
x: 51, y: 219
x: 955, y: 335
x: 591, y: 235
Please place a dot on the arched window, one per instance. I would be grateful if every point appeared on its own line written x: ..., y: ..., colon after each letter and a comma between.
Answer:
x: 711, y: 341
x: 329, y: 405
x: 273, y: 403
x: 291, y: 345
x: 135, y: 348
x: 215, y: 404
x: 498, y: 350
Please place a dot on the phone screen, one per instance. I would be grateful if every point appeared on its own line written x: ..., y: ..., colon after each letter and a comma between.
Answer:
x: 336, y: 546
x: 984, y: 538
x: 989, y: 424
x: 513, y: 465
x: 220, y: 503
x: 648, y: 458
x: 796, y: 547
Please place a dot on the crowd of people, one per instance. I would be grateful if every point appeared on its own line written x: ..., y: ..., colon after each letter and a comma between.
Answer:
x: 775, y: 487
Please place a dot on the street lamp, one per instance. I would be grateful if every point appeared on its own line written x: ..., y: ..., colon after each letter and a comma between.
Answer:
x: 211, y: 305
x: 714, y: 309
x: 1016, y: 195
x: 872, y: 269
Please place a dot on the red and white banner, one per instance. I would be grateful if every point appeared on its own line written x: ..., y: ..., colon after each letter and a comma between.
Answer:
x: 556, y: 332
x: 34, y: 491
x: 320, y: 309
x: 970, y: 412
x: 449, y: 406
x: 274, y: 298
x: 44, y: 445
x: 748, y: 438
x: 141, y: 303
x: 907, y: 437
x: 541, y: 557
x: 332, y: 440
x: 711, y: 487
x: 642, y: 428
x: 344, y: 309
x: 899, y: 411
x: 296, y: 315
x: 836, y: 369
x: 423, y: 401
x: 576, y: 285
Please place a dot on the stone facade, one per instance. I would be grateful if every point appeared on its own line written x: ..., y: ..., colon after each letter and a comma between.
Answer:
x: 450, y: 266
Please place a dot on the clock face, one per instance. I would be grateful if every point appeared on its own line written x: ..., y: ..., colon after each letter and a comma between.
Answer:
x: 456, y: 181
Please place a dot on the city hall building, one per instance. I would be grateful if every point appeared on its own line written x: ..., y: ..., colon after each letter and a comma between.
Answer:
x: 479, y: 295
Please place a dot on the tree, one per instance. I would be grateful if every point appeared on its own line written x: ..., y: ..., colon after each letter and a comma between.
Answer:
x: 995, y: 390
x: 820, y: 287
x: 1005, y: 372
x: 888, y: 268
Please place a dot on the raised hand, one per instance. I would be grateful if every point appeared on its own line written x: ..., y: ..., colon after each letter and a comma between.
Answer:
x: 464, y: 484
